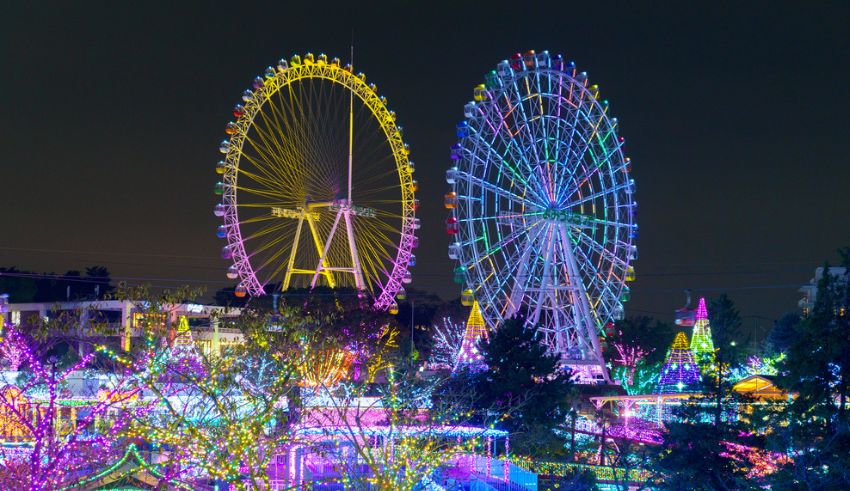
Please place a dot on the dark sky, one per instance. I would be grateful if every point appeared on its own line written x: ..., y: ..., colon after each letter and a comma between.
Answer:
x: 735, y: 116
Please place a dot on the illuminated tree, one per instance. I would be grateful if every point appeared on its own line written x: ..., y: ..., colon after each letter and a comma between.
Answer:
x: 680, y: 372
x: 447, y: 336
x: 66, y: 442
x: 637, y: 341
x: 225, y: 417
x: 702, y: 344
x: 470, y: 356
x: 12, y: 353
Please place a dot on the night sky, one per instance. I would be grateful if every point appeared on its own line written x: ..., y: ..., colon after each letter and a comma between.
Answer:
x: 735, y: 116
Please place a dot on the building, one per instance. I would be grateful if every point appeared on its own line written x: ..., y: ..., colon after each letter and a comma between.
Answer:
x: 810, y: 291
x: 120, y: 321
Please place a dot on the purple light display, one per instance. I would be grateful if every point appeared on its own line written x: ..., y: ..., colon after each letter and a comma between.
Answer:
x: 680, y: 372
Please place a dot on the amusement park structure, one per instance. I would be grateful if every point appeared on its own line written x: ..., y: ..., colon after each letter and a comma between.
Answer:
x: 542, y: 206
x: 702, y: 344
x: 316, y: 185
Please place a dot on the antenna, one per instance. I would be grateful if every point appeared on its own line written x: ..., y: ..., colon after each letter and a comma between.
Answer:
x: 350, y: 121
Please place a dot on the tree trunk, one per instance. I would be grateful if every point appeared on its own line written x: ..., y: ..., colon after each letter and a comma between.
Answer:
x: 573, y: 436
x: 718, y: 397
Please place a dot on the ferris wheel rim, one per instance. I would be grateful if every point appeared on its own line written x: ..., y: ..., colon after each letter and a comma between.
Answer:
x: 469, y: 257
x: 354, y: 84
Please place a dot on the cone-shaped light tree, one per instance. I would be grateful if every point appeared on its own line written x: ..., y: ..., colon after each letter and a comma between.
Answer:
x: 470, y: 356
x: 680, y: 372
x: 702, y: 344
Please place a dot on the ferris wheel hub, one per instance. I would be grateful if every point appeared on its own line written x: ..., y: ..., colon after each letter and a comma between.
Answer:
x: 349, y: 207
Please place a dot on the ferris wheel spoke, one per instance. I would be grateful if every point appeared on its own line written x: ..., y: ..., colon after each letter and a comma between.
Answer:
x: 503, y: 162
x: 263, y: 160
x: 275, y: 257
x: 274, y: 227
x: 598, y: 165
x: 493, y: 188
x: 586, y: 318
x: 271, y: 194
x: 497, y: 156
x: 585, y: 147
x: 300, y: 126
x: 587, y: 143
x: 524, y: 128
x: 602, y: 251
x: 271, y: 144
x: 274, y: 144
x: 257, y: 219
x: 504, y: 241
x: 620, y: 187
x: 518, y: 270
x: 601, y: 287
x: 261, y: 180
x: 575, y: 117
x: 267, y: 163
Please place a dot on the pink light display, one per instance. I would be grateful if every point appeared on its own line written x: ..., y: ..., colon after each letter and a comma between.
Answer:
x: 702, y: 344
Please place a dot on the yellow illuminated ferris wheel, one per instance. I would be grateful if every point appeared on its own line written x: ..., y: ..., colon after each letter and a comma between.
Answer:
x: 317, y: 187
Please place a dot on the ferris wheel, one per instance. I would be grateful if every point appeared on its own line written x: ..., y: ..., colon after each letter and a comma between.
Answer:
x: 542, y: 209
x: 317, y: 187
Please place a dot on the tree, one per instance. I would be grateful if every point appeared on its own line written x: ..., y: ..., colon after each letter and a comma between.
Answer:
x: 524, y: 386
x: 728, y: 343
x: 638, y: 340
x: 65, y: 443
x: 782, y: 334
x: 99, y: 280
x: 220, y: 418
x: 694, y: 455
x: 817, y: 370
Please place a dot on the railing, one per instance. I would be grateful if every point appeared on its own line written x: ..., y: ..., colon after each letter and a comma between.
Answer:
x: 493, y: 471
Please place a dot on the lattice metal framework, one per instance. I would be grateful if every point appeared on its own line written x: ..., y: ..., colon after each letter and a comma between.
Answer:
x: 542, y: 208
x: 317, y: 186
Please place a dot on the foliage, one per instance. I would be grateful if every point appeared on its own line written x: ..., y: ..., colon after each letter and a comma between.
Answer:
x: 693, y: 455
x: 524, y: 386
x: 640, y: 334
x: 219, y: 417
x: 66, y: 442
x: 817, y: 370
x: 644, y: 377
x: 729, y: 352
x: 782, y: 334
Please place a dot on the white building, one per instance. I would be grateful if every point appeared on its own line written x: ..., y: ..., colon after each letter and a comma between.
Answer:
x: 121, y: 319
x: 810, y: 291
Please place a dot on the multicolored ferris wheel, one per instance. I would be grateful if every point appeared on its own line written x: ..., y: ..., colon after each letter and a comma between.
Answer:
x: 542, y: 208
x: 316, y: 187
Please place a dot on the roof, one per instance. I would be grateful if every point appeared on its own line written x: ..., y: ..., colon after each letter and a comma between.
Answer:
x: 759, y: 386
